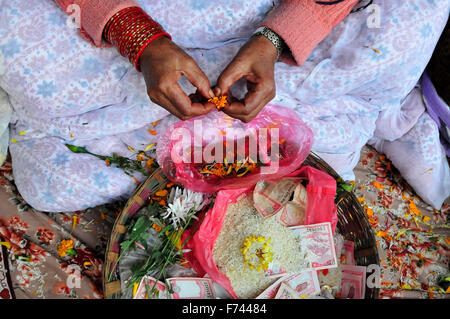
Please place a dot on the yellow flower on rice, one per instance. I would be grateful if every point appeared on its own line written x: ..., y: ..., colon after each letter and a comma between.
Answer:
x: 260, y: 252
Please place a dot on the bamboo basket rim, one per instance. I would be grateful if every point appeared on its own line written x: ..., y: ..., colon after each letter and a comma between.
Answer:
x: 352, y: 224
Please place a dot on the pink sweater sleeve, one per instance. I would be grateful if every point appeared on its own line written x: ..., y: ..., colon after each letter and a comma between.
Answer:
x: 303, y: 24
x: 95, y: 14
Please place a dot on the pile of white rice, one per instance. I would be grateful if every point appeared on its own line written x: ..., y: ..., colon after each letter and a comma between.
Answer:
x: 241, y: 221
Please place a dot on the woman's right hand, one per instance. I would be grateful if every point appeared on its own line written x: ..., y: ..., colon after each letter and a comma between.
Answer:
x: 163, y: 63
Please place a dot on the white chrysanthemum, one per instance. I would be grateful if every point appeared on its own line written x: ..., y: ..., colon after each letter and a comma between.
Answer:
x: 180, y: 203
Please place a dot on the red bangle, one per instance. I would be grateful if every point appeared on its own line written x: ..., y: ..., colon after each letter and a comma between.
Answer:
x: 131, y: 30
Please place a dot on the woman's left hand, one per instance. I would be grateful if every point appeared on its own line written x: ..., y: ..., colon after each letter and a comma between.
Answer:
x: 255, y: 62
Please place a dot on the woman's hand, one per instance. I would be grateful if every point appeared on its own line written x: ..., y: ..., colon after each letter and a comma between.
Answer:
x: 163, y: 63
x: 255, y: 62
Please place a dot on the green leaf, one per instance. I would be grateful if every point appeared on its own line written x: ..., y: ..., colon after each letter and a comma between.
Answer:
x: 348, y: 187
x: 141, y: 225
x: 125, y: 245
x: 156, y: 255
x: 77, y: 149
x: 71, y: 252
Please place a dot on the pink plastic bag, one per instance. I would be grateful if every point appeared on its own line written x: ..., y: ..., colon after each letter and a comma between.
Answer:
x: 321, y: 190
x: 277, y: 140
x: 320, y: 208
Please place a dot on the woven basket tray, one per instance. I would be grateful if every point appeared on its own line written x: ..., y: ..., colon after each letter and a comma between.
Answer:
x: 352, y: 224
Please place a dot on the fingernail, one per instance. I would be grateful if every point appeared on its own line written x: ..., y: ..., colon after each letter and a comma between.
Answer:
x: 217, y: 91
x: 211, y: 93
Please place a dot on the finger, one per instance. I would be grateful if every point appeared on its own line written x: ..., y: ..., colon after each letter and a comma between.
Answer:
x: 247, y: 111
x: 228, y: 77
x: 198, y: 79
x: 247, y: 118
x: 165, y: 103
x: 183, y: 104
x: 237, y: 107
x: 259, y: 95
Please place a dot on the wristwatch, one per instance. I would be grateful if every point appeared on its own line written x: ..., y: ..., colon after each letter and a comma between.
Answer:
x: 273, y: 37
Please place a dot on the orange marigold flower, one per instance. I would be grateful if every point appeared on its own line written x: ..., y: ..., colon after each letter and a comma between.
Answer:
x: 156, y: 227
x: 162, y: 193
x: 378, y: 185
x: 220, y: 102
x: 64, y: 246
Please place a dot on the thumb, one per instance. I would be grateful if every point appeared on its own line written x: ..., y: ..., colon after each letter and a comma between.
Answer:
x: 228, y: 77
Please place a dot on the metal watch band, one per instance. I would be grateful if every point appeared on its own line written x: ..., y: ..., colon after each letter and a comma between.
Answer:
x: 272, y: 37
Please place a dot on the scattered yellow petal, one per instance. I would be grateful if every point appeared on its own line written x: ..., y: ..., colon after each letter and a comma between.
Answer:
x: 361, y: 199
x: 381, y: 234
x: 447, y: 240
x: 135, y: 287
x: 22, y: 133
x: 7, y: 244
x: 400, y: 233
x: 425, y: 219
x: 413, y: 208
x: 102, y: 215
x: 131, y: 149
x: 136, y: 180
x: 152, y: 132
x: 75, y: 220
x: 369, y: 212
x: 149, y: 146
x: 13, y: 140
x: 415, y: 221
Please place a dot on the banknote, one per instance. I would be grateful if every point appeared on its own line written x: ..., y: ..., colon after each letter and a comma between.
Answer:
x: 348, y: 253
x: 304, y: 283
x: 291, y: 214
x: 350, y: 286
x: 191, y: 288
x: 353, y: 284
x: 270, y: 196
x: 149, y: 284
x: 318, y: 243
x: 274, y: 270
x: 286, y: 292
